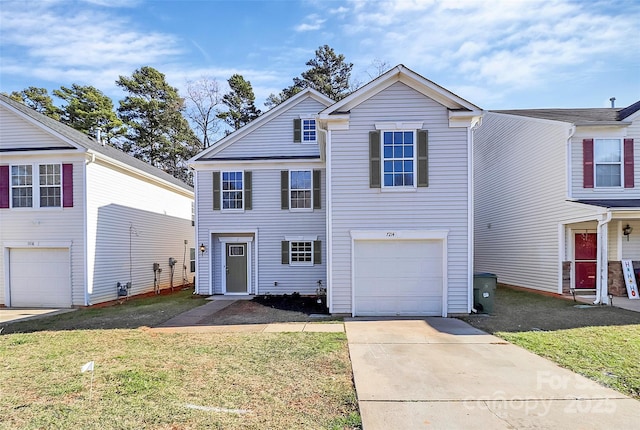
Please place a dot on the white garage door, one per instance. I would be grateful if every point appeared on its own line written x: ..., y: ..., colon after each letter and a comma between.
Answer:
x: 39, y: 277
x: 398, y: 277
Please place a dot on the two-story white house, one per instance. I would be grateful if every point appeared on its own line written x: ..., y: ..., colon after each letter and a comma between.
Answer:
x: 370, y: 196
x: 558, y: 198
x: 77, y: 217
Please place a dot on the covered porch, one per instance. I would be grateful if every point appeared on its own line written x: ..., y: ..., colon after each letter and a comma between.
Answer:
x: 595, y: 247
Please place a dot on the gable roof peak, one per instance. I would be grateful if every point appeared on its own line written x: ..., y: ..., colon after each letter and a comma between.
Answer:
x: 401, y: 73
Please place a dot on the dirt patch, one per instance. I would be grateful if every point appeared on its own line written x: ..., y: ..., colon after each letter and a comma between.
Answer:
x: 516, y: 311
x: 269, y: 309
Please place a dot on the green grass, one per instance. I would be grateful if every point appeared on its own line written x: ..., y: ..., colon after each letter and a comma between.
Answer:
x: 609, y: 355
x: 133, y: 313
x: 145, y: 379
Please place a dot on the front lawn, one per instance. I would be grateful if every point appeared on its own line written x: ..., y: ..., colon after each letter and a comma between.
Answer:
x: 609, y: 355
x: 600, y: 342
x: 144, y: 379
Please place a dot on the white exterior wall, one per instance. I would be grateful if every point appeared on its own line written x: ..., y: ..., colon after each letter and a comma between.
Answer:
x: 619, y: 132
x: 275, y: 138
x: 126, y: 212
x: 441, y: 206
x: 520, y: 179
x: 272, y: 224
x: 46, y: 227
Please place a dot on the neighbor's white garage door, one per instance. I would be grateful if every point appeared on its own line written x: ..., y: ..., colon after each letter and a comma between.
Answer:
x: 398, y: 277
x: 39, y: 277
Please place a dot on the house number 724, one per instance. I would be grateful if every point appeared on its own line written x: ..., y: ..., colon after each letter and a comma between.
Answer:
x: 391, y: 234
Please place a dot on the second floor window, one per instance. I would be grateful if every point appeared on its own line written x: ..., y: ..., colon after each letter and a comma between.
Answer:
x: 608, y: 162
x: 397, y: 154
x: 36, y: 187
x: 300, y: 189
x: 22, y: 186
x: 309, y: 130
x: 50, y: 186
x: 232, y: 190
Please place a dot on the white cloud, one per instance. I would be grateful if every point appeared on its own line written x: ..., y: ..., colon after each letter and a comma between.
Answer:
x: 314, y: 22
x: 507, y: 44
x: 85, y: 46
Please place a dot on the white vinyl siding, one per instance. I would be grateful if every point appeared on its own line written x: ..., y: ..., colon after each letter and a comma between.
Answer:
x: 275, y: 138
x: 272, y: 223
x: 520, y: 199
x: 19, y: 133
x: 37, y: 228
x: 129, y: 231
x: 619, y: 192
x: 441, y: 206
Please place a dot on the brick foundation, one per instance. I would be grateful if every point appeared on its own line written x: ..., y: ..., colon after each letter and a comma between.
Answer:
x: 566, y: 277
x: 616, y: 283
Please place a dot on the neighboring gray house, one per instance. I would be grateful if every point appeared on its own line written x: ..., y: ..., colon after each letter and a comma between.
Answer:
x: 370, y: 196
x: 558, y: 198
x: 77, y: 216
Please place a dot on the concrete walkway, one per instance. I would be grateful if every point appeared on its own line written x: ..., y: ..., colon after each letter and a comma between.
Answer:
x: 192, y: 322
x: 441, y: 373
x: 8, y: 315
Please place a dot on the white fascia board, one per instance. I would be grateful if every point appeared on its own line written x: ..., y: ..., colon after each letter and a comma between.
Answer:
x: 258, y: 164
x: 466, y: 119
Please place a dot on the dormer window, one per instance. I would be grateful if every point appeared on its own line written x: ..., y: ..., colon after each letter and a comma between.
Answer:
x: 308, y: 131
x: 304, y: 130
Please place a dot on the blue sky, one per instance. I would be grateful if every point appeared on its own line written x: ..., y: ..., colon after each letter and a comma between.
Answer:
x: 498, y: 54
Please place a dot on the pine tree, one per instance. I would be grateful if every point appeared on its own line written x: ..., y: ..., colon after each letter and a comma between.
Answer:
x: 240, y: 102
x: 157, y: 131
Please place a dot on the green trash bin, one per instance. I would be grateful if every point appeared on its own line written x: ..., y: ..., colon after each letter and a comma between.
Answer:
x: 484, y: 292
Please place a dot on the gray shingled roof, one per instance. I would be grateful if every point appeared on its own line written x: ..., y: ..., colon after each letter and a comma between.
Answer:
x: 581, y: 116
x: 92, y: 144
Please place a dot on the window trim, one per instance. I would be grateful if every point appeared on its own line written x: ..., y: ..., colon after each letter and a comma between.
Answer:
x: 414, y: 160
x: 222, y: 191
x: 301, y: 239
x: 310, y: 189
x: 607, y: 163
x: 302, y: 130
x: 36, y: 186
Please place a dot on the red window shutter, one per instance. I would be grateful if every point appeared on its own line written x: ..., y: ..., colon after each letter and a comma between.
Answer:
x: 67, y: 185
x: 587, y: 163
x: 628, y: 164
x: 4, y: 187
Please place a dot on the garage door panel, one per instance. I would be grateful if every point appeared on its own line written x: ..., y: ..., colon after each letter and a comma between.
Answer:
x: 398, y: 277
x: 39, y: 277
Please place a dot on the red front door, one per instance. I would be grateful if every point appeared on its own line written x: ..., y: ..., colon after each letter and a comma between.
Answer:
x: 586, y: 251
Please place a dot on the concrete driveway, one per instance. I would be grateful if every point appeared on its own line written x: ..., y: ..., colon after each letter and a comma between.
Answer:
x: 8, y: 315
x: 441, y: 373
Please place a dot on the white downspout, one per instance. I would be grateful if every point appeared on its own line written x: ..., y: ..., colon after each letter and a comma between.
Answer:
x: 85, y: 232
x: 328, y: 223
x: 602, y: 261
